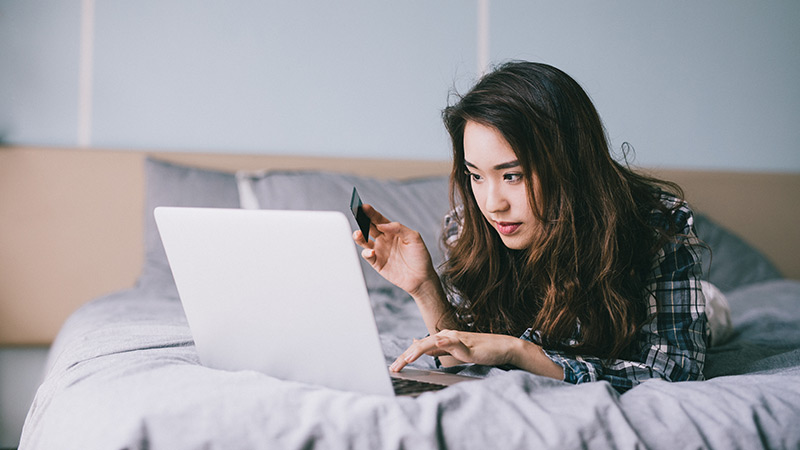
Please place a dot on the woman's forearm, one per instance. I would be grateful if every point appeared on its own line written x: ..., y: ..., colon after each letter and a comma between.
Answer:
x: 530, y: 357
x: 431, y: 301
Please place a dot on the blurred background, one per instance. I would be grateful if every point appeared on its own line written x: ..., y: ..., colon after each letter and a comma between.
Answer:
x: 708, y: 85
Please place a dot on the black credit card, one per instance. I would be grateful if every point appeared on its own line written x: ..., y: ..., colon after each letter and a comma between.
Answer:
x: 361, y: 219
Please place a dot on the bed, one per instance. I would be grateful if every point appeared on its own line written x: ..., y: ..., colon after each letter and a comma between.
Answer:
x: 122, y: 371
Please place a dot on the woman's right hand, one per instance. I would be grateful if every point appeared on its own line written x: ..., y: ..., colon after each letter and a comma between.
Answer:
x: 397, y: 252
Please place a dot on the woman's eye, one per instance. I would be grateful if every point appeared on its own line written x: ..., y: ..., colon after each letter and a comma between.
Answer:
x: 473, y: 176
x: 512, y: 177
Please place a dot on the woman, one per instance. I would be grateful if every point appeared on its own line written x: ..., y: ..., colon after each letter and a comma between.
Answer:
x: 560, y: 261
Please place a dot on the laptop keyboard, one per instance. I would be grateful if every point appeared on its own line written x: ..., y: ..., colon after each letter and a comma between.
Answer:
x: 407, y: 387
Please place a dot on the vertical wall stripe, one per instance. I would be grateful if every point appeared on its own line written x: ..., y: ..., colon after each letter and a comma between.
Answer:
x: 483, y: 36
x: 85, y: 74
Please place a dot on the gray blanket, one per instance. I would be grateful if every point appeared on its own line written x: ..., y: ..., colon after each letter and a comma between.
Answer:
x: 123, y: 373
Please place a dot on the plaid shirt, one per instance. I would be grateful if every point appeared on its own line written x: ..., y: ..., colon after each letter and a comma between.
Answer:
x: 671, y: 346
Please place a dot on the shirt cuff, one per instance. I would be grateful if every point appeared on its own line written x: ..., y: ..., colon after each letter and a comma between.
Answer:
x: 575, y: 370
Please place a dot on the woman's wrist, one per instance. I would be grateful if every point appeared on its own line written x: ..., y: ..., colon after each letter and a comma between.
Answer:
x: 429, y: 292
x: 531, y: 357
x: 430, y: 299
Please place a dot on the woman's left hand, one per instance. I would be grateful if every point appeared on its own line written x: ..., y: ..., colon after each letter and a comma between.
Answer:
x: 477, y: 348
x: 482, y: 348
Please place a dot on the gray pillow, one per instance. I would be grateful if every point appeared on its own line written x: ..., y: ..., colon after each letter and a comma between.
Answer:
x: 731, y: 262
x: 422, y: 203
x: 419, y: 204
x: 170, y: 184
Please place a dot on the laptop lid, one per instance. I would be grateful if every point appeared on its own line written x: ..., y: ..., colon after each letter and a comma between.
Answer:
x: 279, y: 292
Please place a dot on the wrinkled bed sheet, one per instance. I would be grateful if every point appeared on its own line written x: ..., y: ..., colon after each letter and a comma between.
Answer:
x: 123, y: 373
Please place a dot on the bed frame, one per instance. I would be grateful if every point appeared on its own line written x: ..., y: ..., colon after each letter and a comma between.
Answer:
x: 71, y: 220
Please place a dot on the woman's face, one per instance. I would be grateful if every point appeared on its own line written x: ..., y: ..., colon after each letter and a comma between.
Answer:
x: 499, y: 186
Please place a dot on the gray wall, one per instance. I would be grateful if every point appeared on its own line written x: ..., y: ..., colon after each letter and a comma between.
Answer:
x: 706, y: 85
x: 21, y: 371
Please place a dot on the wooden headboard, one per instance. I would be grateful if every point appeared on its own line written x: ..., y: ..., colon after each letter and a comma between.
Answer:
x: 71, y: 220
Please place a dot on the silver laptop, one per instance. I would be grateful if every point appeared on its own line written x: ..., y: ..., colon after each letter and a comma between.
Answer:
x: 280, y: 292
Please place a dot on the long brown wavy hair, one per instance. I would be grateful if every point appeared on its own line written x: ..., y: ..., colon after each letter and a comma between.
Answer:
x: 589, y: 263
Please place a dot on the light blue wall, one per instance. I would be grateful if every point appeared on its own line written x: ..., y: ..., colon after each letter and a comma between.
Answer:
x: 39, y: 71
x: 690, y: 84
x: 350, y: 77
x: 707, y: 85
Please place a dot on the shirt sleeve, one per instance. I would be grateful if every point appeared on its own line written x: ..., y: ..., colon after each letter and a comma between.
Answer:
x: 452, y: 231
x: 672, y: 345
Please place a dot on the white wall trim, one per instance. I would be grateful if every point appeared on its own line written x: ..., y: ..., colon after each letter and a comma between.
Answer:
x: 483, y: 36
x: 85, y: 74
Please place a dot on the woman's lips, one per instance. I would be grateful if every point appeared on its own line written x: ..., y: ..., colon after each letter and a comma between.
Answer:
x: 507, y: 228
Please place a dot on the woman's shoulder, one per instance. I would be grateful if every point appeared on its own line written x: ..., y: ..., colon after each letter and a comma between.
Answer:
x: 453, y: 225
x: 673, y: 202
x: 674, y: 213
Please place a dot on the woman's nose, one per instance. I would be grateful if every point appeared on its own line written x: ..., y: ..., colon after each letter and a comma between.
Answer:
x: 495, y: 200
